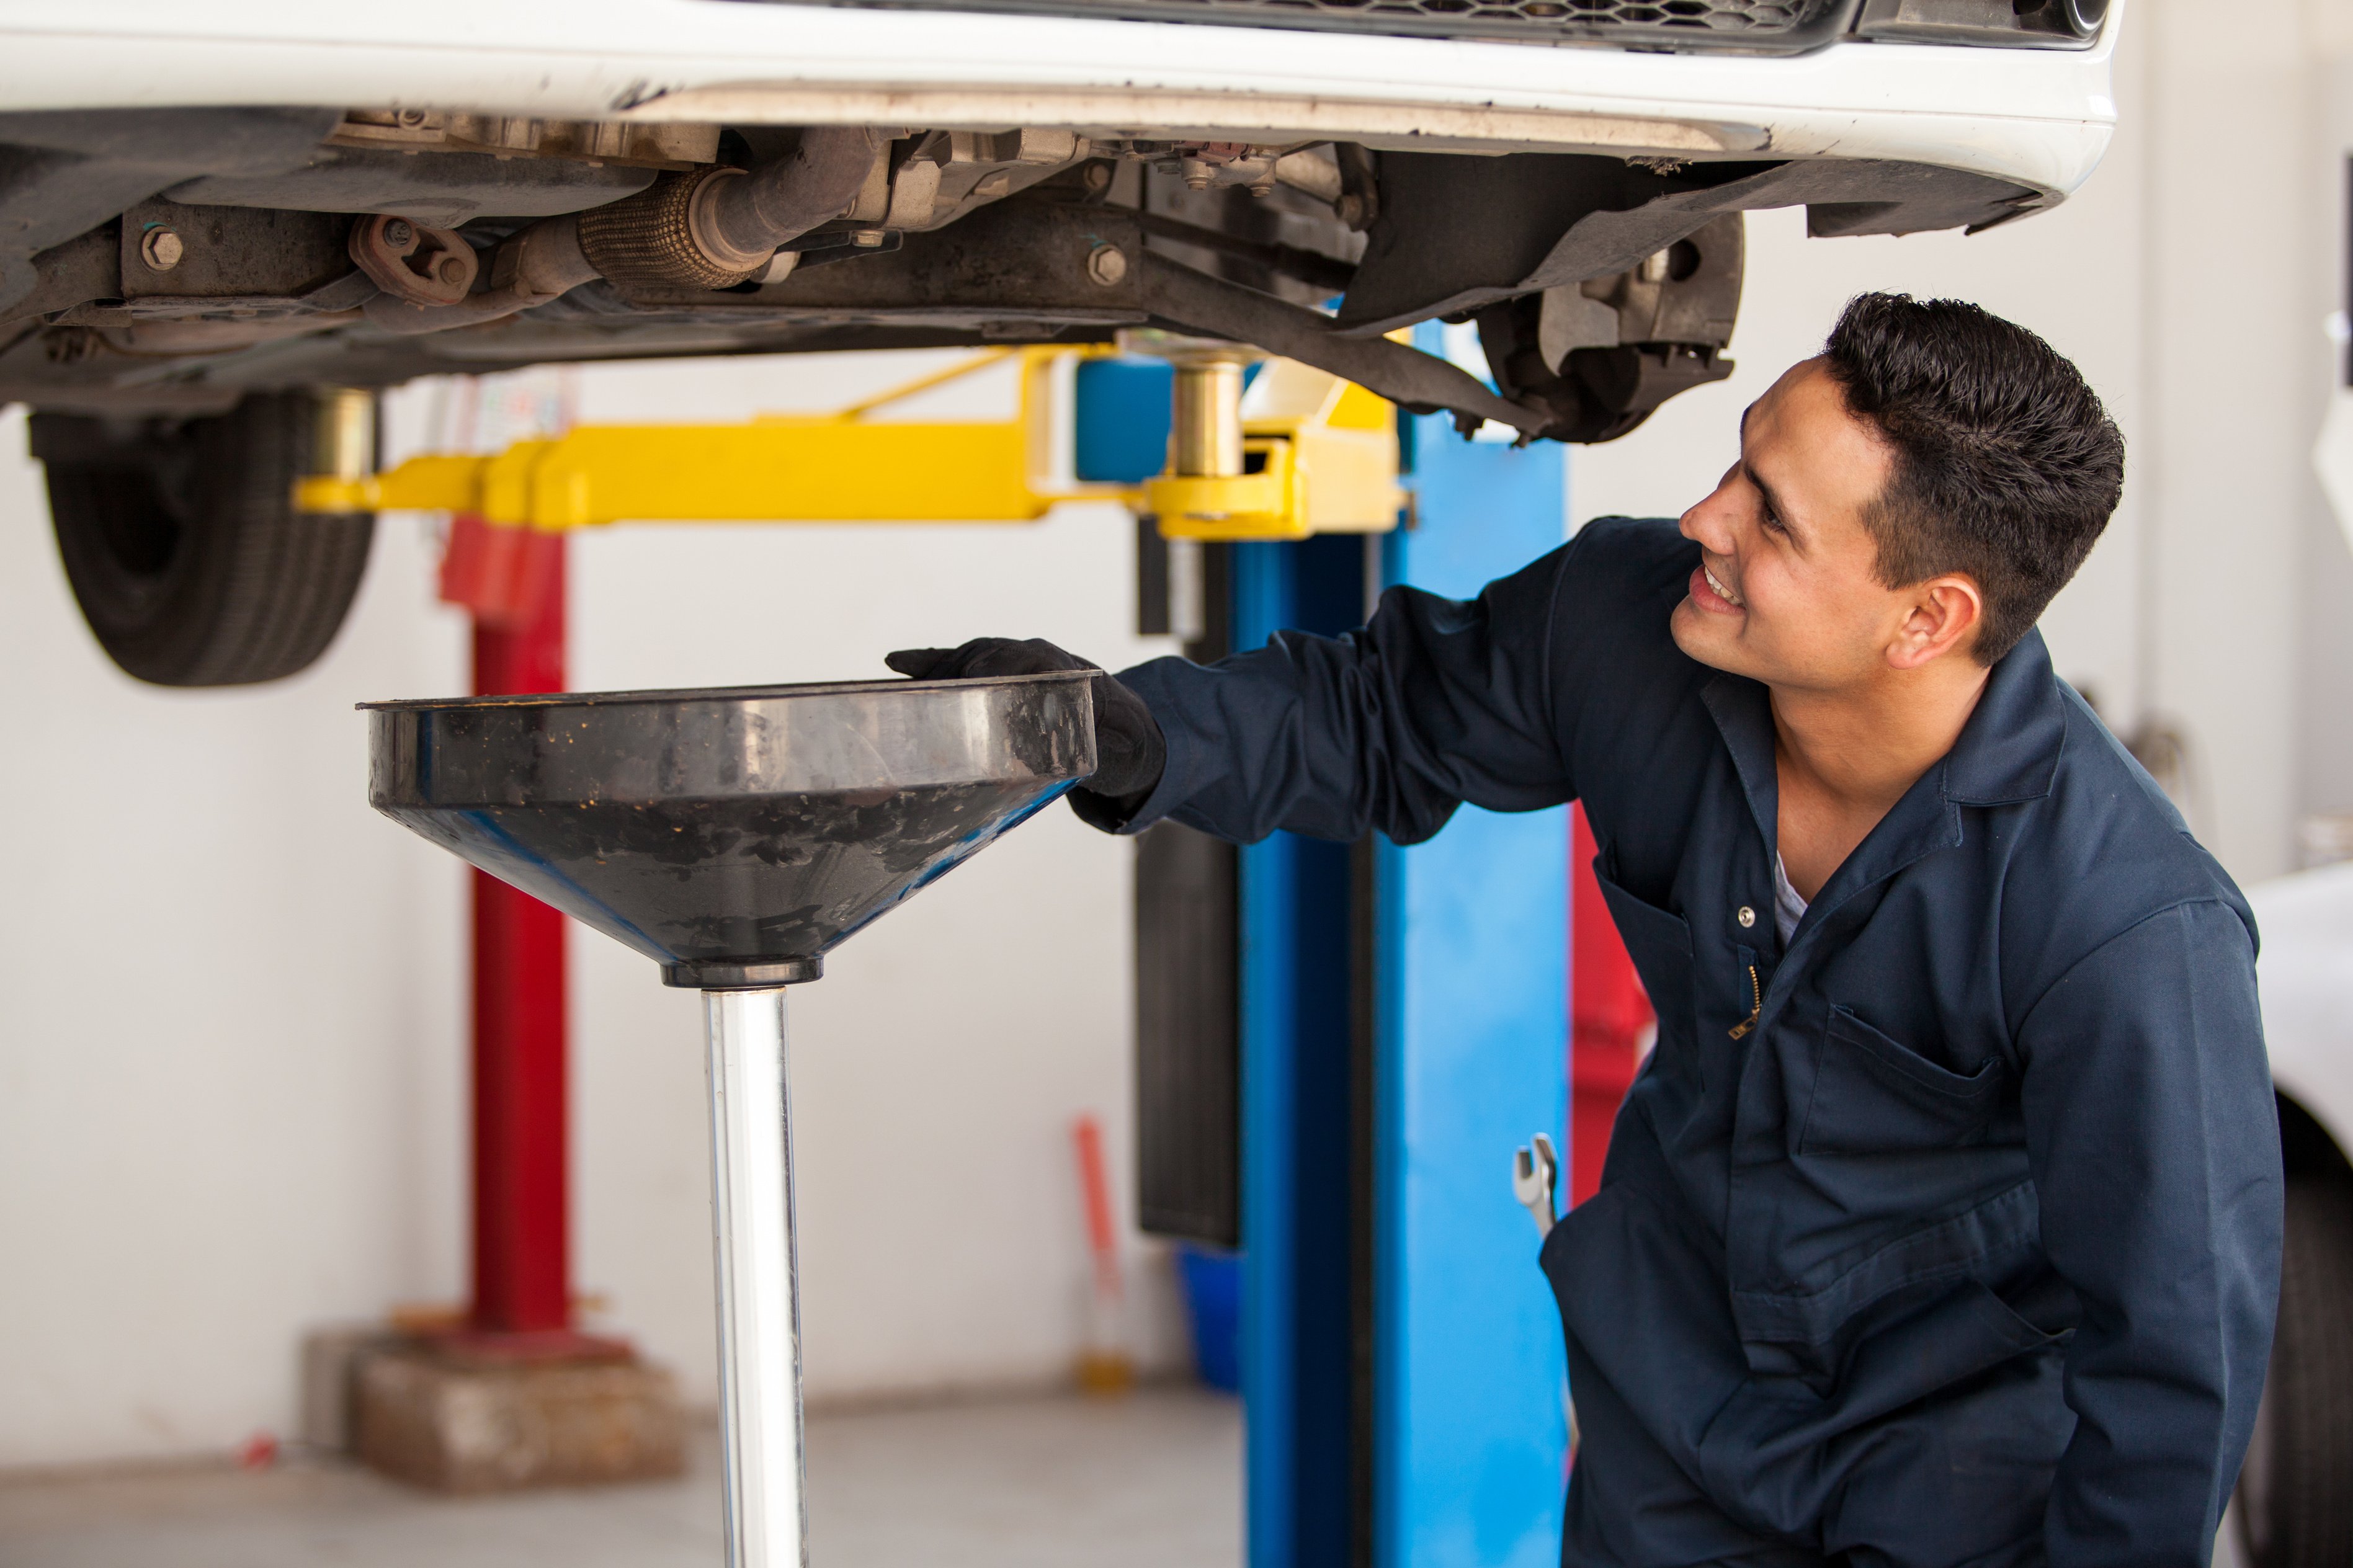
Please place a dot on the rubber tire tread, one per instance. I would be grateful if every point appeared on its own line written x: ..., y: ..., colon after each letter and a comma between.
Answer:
x: 2308, y: 1396
x: 254, y: 591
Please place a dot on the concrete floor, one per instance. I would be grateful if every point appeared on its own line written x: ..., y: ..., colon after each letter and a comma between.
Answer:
x: 1153, y: 1480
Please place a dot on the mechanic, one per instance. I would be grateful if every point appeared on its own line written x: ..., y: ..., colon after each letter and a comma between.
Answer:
x: 1943, y: 1225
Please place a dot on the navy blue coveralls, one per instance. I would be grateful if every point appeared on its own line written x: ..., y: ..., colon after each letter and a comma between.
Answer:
x: 1949, y: 1234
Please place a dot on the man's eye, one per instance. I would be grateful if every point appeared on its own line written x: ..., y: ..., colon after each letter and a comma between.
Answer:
x: 1772, y: 523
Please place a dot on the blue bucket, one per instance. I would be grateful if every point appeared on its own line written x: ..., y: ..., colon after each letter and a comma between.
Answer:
x: 1213, y: 1302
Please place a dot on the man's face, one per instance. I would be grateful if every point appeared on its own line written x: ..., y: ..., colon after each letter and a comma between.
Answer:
x: 1786, y: 591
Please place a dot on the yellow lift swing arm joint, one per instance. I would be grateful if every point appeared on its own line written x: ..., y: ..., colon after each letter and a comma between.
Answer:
x: 1325, y: 452
x: 1327, y: 462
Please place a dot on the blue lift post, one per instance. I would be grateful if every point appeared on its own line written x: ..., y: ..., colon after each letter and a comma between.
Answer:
x: 1470, y: 1441
x: 1404, y: 1026
x: 1469, y: 1006
x: 1302, y: 1212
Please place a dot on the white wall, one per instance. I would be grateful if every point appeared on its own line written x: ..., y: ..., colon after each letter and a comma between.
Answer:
x: 229, y: 1016
x: 231, y: 1048
x: 2189, y: 279
x: 2326, y: 693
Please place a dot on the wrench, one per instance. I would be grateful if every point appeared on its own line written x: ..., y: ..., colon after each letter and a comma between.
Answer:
x: 1535, y: 1171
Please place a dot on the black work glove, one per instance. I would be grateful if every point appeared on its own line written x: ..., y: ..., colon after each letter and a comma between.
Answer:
x: 1130, y: 751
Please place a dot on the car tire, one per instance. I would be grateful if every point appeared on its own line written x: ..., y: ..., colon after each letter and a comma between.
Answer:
x: 2296, y: 1509
x: 183, y: 547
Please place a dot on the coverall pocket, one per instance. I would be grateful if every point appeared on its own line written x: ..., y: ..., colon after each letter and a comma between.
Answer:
x: 1934, y: 1446
x: 1875, y: 1096
x: 1661, y: 946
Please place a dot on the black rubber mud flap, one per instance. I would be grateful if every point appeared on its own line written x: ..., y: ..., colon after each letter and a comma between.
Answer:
x: 184, y: 550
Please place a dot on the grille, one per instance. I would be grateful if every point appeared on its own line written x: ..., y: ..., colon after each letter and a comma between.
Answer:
x: 1775, y: 26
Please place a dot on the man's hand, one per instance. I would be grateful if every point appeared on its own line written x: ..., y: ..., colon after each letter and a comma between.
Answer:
x: 1129, y: 749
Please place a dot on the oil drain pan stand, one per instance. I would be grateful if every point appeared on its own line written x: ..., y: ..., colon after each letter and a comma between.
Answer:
x: 735, y: 836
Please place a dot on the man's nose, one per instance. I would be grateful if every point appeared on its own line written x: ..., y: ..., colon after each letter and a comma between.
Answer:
x: 1707, y: 524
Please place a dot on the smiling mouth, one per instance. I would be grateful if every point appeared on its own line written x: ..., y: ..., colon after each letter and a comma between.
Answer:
x: 1717, y: 585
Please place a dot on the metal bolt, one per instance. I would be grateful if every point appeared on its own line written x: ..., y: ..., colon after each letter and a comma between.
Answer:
x: 1107, y: 265
x: 450, y: 268
x: 409, y: 118
x: 399, y: 232
x: 1746, y: 917
x: 161, y: 248
x: 868, y: 238
x: 1098, y: 176
x: 1197, y: 173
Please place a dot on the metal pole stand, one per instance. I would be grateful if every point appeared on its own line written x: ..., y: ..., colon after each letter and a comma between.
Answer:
x: 834, y: 802
x: 758, y: 1278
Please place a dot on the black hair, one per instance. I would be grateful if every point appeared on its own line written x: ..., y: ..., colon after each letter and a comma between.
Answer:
x: 2006, y: 466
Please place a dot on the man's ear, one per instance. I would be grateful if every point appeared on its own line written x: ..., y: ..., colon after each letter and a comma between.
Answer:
x: 1945, y: 615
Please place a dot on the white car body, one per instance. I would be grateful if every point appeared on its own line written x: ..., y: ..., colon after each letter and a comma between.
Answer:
x: 2305, y: 976
x: 2039, y: 117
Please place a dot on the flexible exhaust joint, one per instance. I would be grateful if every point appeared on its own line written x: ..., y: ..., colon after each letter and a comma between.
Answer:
x: 718, y: 226
x: 707, y: 229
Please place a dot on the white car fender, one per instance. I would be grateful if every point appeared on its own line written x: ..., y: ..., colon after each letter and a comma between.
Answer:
x: 2305, y: 975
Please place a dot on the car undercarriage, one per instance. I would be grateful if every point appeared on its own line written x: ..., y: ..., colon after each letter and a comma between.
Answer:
x: 172, y: 261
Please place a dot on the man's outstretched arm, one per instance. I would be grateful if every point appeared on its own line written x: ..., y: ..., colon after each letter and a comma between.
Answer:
x: 1434, y: 702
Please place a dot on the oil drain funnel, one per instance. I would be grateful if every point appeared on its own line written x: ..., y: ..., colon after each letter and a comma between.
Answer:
x: 735, y: 836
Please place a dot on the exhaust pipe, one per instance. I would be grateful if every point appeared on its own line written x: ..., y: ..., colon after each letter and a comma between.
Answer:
x: 707, y: 229
x: 757, y: 213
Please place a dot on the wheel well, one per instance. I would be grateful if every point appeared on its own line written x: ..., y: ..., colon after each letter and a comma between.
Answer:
x: 2306, y: 1147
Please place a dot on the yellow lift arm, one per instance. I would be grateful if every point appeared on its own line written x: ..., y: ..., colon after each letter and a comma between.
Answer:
x: 1327, y: 453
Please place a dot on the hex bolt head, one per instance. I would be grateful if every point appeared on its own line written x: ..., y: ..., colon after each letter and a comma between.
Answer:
x: 1107, y: 265
x: 450, y: 268
x: 868, y: 238
x: 1098, y: 176
x: 399, y: 232
x: 161, y: 248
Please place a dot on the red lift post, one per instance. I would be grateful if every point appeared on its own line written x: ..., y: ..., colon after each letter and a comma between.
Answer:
x: 569, y: 1408
x: 512, y: 579
x: 1610, y: 1022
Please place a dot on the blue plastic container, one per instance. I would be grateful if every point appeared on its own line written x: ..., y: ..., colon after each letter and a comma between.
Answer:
x: 1213, y: 1302
x: 1122, y: 425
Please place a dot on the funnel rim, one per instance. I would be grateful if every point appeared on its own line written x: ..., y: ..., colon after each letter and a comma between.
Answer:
x: 713, y: 693
x: 733, y: 835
